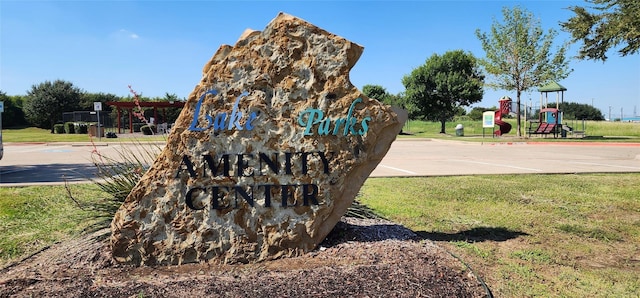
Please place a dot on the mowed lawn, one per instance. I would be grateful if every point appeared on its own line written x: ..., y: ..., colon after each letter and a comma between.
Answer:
x: 527, y: 235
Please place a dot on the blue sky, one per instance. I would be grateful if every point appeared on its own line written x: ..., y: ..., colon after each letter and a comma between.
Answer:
x: 161, y: 46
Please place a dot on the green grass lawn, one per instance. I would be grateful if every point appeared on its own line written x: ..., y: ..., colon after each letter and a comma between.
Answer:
x: 599, y: 131
x: 35, y: 217
x: 38, y: 135
x: 527, y: 235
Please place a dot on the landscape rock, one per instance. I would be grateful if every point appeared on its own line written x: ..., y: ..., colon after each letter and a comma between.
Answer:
x: 268, y: 153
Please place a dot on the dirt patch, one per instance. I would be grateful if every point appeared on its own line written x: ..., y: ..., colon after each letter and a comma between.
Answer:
x: 359, y: 258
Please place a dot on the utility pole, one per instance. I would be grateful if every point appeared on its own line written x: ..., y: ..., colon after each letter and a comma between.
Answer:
x: 610, y: 114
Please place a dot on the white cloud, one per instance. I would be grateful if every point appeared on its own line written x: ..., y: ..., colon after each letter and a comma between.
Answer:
x: 124, y: 34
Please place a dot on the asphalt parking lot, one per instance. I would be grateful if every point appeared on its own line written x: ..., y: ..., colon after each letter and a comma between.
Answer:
x: 43, y: 164
x: 443, y: 158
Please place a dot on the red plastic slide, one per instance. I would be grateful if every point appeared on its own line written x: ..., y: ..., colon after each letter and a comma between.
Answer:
x: 504, y: 127
x: 505, y: 106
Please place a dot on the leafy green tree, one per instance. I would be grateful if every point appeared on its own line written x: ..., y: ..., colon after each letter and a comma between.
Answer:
x: 399, y: 100
x: 375, y: 91
x: 609, y: 24
x: 13, y: 115
x: 171, y: 113
x: 443, y: 84
x: 86, y: 103
x: 47, y: 101
x: 460, y: 111
x: 580, y: 111
x: 380, y: 93
x: 518, y: 55
x: 476, y: 112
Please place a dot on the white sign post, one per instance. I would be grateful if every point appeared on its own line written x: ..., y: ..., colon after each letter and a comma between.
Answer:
x: 97, y: 106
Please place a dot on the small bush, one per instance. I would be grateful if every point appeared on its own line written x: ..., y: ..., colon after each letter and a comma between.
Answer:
x: 81, y: 128
x: 58, y: 128
x: 137, y: 127
x: 148, y: 129
x: 69, y: 127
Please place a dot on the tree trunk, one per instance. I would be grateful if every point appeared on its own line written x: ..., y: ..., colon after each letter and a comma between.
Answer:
x: 519, y: 133
x: 442, y: 122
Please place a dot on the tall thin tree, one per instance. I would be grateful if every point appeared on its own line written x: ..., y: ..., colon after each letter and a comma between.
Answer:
x: 518, y: 55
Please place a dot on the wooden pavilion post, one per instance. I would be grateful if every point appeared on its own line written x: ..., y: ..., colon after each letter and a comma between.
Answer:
x: 155, y: 116
x: 118, y: 121
x: 130, y: 110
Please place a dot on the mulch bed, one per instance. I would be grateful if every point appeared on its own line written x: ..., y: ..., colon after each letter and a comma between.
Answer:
x: 359, y: 258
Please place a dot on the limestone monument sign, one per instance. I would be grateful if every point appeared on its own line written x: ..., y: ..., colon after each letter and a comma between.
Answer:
x: 268, y: 153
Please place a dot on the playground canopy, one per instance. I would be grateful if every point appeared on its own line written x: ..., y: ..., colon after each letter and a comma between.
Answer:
x: 551, y: 87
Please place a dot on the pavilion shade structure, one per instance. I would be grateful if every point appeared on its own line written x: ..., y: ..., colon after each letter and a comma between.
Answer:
x: 129, y: 106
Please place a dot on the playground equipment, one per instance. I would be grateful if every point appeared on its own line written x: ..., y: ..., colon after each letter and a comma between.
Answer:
x: 550, y: 119
x: 549, y: 122
x: 505, y: 107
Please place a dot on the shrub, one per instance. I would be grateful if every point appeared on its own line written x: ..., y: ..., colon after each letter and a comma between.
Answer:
x: 137, y: 127
x: 69, y: 127
x: 117, y: 176
x: 58, y: 128
x: 148, y: 129
x: 81, y: 128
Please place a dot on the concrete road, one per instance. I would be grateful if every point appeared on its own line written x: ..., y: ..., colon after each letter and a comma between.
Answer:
x: 440, y: 158
x: 55, y: 163
x: 26, y: 164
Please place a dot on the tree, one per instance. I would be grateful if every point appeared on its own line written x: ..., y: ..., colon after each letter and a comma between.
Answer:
x: 518, y: 55
x: 375, y: 91
x: 87, y: 100
x: 13, y: 115
x: 171, y: 113
x: 613, y: 23
x: 380, y: 93
x: 580, y: 111
x: 47, y: 101
x: 476, y: 113
x: 444, y: 83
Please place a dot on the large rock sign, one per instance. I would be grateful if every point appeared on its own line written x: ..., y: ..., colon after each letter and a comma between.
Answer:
x: 267, y: 155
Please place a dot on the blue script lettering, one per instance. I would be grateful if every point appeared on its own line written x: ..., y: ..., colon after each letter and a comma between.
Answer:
x: 223, y: 121
x: 311, y: 117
